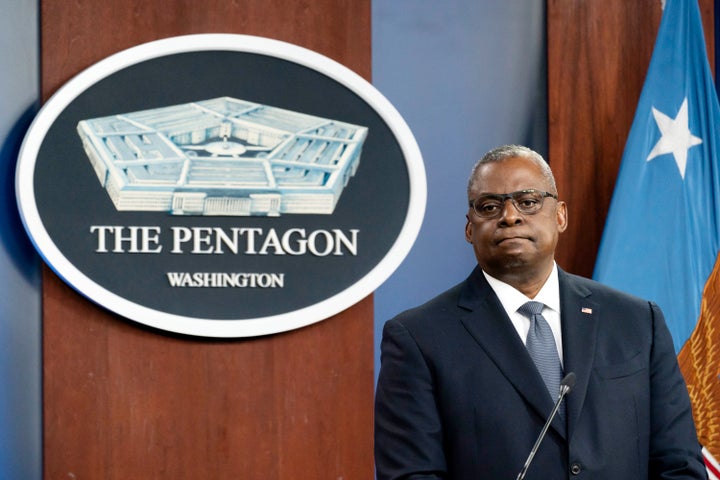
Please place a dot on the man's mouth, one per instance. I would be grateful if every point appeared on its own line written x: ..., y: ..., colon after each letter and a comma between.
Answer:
x: 510, y: 239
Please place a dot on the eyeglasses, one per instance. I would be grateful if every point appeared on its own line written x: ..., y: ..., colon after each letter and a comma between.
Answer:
x: 527, y: 202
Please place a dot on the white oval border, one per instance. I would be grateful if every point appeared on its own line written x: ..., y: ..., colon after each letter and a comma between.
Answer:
x: 210, y: 327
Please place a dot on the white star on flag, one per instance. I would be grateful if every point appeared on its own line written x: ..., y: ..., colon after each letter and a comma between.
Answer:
x: 676, y: 136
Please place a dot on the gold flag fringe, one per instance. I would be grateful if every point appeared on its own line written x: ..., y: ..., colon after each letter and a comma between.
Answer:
x: 700, y: 365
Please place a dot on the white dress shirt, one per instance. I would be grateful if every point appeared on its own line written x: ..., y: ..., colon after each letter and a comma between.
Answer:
x: 512, y: 299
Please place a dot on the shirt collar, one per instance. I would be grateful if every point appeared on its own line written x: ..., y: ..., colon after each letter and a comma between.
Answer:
x: 512, y: 299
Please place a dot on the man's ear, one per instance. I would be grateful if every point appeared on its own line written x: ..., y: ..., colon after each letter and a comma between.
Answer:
x: 562, y: 216
x: 468, y: 229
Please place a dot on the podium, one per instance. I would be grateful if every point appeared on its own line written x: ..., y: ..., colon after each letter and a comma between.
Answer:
x: 121, y: 400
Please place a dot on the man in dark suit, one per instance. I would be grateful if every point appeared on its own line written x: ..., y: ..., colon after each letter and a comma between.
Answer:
x: 460, y: 395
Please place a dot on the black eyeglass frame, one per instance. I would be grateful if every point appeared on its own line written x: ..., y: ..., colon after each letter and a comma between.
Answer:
x: 503, y: 197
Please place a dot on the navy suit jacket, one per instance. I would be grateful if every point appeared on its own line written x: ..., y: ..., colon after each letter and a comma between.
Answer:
x: 458, y: 396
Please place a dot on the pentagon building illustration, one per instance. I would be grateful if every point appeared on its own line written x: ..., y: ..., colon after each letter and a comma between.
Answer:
x: 222, y: 156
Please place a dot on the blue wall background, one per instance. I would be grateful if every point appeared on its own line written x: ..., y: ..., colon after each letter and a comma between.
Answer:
x: 20, y: 354
x: 467, y: 75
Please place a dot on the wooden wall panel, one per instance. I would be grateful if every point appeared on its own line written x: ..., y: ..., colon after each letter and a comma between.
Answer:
x: 124, y: 401
x: 76, y: 34
x: 598, y: 55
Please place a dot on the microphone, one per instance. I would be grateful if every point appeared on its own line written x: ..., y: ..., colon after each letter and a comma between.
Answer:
x: 566, y: 385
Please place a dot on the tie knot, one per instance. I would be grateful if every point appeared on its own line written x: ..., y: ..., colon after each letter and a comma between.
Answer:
x: 531, y: 308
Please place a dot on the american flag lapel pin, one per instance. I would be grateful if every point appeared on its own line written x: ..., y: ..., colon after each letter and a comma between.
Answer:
x: 586, y: 310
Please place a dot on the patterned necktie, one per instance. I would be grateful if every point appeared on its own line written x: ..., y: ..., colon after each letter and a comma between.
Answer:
x: 541, y: 346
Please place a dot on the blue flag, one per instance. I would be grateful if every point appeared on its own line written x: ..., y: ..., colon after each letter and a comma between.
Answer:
x: 661, y: 238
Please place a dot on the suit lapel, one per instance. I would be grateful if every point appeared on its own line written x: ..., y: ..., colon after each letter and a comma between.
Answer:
x: 487, y: 322
x: 580, y: 319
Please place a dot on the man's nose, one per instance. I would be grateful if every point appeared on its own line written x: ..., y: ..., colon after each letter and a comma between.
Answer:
x: 510, y: 213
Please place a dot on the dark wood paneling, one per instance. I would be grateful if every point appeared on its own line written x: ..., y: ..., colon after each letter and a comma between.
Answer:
x: 124, y: 401
x: 76, y: 34
x: 598, y: 55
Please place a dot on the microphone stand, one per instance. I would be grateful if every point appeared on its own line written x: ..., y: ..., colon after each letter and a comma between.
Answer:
x: 565, y: 386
